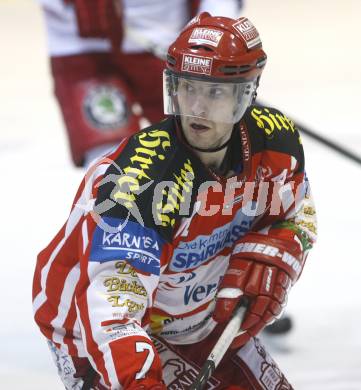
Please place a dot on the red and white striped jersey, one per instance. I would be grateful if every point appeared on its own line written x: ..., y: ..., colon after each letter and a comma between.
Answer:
x: 149, y: 237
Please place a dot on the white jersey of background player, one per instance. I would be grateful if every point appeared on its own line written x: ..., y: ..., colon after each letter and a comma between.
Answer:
x: 107, y: 71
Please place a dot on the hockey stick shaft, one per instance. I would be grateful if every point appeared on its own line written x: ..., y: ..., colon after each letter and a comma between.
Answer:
x: 345, y: 152
x: 218, y: 351
x: 323, y: 140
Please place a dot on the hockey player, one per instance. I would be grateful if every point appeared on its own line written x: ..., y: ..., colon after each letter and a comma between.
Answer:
x: 170, y: 230
x: 99, y: 51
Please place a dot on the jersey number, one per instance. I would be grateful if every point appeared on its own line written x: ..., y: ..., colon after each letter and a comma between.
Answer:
x: 141, y: 347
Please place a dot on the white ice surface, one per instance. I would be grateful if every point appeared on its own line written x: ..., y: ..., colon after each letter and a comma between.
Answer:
x: 313, y: 73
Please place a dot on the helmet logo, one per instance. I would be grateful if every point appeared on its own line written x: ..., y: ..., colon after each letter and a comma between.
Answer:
x: 205, y: 36
x: 197, y: 64
x: 248, y: 32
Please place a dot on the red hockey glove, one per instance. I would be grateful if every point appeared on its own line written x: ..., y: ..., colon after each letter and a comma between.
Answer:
x: 261, y: 269
x: 99, y: 19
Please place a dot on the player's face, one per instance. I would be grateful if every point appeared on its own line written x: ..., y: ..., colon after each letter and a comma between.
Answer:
x: 206, y: 112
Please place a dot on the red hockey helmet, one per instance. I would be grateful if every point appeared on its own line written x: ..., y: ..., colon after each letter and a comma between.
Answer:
x: 215, y: 50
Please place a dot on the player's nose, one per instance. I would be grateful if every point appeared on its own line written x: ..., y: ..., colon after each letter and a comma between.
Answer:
x: 199, y: 106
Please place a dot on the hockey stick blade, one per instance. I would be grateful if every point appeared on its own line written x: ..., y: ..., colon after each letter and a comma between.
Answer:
x: 221, y: 347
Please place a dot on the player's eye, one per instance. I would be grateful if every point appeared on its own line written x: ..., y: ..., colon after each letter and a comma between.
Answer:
x: 216, y: 92
x: 189, y: 88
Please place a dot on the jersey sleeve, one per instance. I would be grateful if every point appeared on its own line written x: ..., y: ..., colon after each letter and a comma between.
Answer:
x: 121, y: 277
x: 94, y: 288
x: 57, y: 271
x: 289, y: 221
x: 121, y: 272
x: 56, y: 264
x: 123, y: 258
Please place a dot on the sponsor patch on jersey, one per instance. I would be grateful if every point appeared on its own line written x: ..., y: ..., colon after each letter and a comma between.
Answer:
x: 181, y: 278
x: 115, y: 284
x: 131, y: 306
x: 270, y: 121
x: 192, y: 288
x: 206, y: 36
x: 248, y: 32
x: 199, y: 292
x: 138, y: 245
x: 136, y: 175
x: 173, y: 195
x: 197, y: 64
x: 191, y: 254
x: 105, y: 107
x: 118, y: 331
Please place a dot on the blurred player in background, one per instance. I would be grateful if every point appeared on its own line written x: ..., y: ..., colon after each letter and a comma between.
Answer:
x: 106, y: 64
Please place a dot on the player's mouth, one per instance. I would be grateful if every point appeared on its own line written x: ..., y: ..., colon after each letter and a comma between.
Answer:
x: 199, y: 127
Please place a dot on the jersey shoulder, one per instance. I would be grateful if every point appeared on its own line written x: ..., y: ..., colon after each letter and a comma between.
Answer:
x: 272, y: 131
x: 149, y: 178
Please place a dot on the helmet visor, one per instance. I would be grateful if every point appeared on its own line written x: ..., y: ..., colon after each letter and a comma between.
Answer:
x: 216, y: 101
